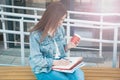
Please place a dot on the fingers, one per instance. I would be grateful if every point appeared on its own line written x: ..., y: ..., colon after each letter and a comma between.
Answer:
x: 77, y: 42
x: 74, y: 45
x: 62, y: 62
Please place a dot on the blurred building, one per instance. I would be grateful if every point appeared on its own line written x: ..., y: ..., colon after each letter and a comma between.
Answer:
x: 97, y: 6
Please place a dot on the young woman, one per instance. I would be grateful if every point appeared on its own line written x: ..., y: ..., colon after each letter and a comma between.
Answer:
x: 48, y: 46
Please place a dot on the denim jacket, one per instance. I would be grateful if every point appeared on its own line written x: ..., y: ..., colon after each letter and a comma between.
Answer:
x: 42, y: 53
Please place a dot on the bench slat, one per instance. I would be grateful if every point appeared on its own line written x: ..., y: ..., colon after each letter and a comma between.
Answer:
x: 91, y: 73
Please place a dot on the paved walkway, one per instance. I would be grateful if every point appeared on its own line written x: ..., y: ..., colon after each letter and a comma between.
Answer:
x: 13, y: 56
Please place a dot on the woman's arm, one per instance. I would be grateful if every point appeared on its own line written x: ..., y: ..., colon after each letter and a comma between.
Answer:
x: 70, y: 44
x: 36, y: 56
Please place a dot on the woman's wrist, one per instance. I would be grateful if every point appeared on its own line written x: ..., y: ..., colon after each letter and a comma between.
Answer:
x: 69, y: 46
x: 66, y: 48
x: 55, y: 62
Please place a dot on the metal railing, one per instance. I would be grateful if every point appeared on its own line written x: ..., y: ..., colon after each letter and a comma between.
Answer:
x: 101, y: 25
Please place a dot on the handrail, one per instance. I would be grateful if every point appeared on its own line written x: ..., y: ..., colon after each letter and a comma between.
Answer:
x: 70, y: 20
x: 20, y: 7
x: 19, y: 15
x: 95, y: 14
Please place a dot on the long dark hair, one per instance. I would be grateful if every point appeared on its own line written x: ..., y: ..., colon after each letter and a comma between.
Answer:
x: 50, y: 19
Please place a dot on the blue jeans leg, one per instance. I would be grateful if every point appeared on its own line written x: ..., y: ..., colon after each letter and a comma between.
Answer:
x: 77, y: 75
x: 52, y: 75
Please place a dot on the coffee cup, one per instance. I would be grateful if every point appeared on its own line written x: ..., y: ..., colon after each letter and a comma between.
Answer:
x: 75, y: 39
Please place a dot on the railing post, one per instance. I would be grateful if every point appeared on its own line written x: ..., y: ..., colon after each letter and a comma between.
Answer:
x: 35, y: 13
x: 68, y: 31
x: 101, y: 33
x: 3, y: 27
x: 119, y: 60
x: 22, y: 42
x: 115, y: 47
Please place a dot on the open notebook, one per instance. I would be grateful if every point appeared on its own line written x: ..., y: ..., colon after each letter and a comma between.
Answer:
x: 76, y: 62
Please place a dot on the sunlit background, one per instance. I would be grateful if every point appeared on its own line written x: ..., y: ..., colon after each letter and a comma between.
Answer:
x: 90, y: 6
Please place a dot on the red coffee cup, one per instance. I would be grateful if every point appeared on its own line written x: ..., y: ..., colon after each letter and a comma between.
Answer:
x: 75, y: 38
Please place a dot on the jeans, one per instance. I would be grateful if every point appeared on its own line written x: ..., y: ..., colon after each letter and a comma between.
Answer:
x: 55, y: 75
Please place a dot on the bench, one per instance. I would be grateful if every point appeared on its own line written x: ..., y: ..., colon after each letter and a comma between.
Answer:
x: 91, y: 73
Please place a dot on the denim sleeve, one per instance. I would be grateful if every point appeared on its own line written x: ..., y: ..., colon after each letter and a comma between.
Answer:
x: 36, y: 56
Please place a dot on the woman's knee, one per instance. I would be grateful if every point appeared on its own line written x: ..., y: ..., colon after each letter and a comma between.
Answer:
x: 79, y: 71
x: 53, y: 75
x: 79, y: 74
x: 58, y: 75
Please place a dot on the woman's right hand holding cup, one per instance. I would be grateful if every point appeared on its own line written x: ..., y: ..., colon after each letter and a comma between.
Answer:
x: 73, y: 42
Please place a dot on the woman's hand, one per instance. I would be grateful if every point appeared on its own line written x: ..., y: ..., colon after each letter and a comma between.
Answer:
x: 62, y: 62
x: 71, y: 45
